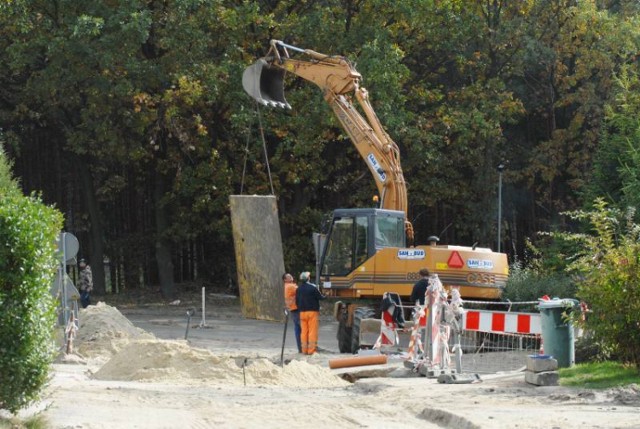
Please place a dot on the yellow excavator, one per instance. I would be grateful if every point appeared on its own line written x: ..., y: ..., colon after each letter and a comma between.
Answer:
x: 370, y: 251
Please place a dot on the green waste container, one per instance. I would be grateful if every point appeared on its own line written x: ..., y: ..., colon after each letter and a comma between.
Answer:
x: 557, y: 332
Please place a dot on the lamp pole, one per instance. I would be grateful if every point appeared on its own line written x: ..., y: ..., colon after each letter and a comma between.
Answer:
x: 500, y: 169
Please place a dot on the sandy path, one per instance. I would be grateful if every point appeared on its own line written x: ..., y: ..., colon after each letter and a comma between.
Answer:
x: 128, y: 378
x: 77, y: 401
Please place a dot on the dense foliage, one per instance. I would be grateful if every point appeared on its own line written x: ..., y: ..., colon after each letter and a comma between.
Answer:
x: 616, y: 170
x: 28, y: 230
x: 528, y: 284
x: 130, y: 117
x: 606, y: 263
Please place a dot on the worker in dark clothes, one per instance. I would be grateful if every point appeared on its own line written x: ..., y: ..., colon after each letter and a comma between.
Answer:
x: 419, y: 292
x: 420, y: 288
x: 308, y: 301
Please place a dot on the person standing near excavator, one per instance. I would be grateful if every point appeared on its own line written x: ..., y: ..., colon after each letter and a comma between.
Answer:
x: 290, y: 288
x: 308, y: 299
x: 420, y: 288
x: 419, y: 292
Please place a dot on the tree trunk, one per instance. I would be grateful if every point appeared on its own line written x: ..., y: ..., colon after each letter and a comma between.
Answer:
x: 96, y: 228
x: 163, y: 248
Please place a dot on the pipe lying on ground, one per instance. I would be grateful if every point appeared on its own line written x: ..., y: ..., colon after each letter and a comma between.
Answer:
x: 357, y: 361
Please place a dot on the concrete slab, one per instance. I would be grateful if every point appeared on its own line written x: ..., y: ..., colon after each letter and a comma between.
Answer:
x: 259, y: 258
x: 541, y: 364
x: 548, y: 378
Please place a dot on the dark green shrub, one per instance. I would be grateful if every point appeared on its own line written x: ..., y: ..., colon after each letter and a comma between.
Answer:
x: 529, y: 284
x: 587, y: 349
x: 608, y: 268
x: 28, y: 230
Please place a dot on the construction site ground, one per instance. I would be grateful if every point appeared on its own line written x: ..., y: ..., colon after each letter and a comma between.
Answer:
x: 132, y: 368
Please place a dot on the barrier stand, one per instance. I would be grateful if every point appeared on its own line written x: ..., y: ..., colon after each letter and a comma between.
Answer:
x: 392, y: 319
x: 70, y: 333
x: 388, y: 329
x: 416, y: 349
x: 442, y: 318
x: 445, y: 338
x: 491, y: 340
x: 457, y: 312
x: 455, y: 316
x: 437, y: 361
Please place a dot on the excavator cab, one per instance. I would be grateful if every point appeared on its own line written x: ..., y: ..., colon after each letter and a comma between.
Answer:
x: 356, y: 235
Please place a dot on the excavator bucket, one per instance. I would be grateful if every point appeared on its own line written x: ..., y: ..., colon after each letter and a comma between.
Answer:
x: 265, y: 84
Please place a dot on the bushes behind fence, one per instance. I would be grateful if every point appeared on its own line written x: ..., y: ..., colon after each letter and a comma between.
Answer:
x: 529, y: 284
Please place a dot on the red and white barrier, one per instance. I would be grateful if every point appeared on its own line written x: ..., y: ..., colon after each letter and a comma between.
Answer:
x: 388, y: 331
x: 501, y: 322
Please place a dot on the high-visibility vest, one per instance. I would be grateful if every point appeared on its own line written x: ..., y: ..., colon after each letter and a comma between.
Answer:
x: 290, y: 295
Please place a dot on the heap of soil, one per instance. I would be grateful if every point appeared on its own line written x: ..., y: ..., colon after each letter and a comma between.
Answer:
x: 104, y: 331
x: 161, y: 360
x: 127, y: 353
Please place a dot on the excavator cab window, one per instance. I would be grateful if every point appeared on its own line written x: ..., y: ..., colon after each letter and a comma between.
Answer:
x: 347, y: 247
x: 360, y: 252
x: 389, y: 232
x: 356, y: 235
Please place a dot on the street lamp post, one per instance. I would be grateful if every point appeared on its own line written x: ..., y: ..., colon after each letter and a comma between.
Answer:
x: 500, y: 169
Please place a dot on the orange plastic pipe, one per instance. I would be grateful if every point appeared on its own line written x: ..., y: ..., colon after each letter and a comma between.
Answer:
x: 357, y: 361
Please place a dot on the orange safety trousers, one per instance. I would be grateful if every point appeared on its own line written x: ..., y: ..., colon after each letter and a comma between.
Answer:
x: 309, y: 323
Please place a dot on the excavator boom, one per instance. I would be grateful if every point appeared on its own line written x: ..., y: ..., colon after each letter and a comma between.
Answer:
x: 340, y: 84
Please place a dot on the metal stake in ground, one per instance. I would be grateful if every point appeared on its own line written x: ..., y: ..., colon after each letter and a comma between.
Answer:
x: 203, y: 324
x: 284, y: 335
x: 190, y: 313
x: 244, y: 375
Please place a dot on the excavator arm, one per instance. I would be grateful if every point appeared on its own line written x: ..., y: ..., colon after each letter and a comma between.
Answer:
x: 340, y: 84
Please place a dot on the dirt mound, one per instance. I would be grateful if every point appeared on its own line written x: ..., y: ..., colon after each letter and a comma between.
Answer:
x: 159, y: 360
x: 104, y: 331
x: 127, y: 353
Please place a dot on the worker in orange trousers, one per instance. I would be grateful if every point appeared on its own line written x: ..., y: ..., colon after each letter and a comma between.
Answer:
x: 308, y: 299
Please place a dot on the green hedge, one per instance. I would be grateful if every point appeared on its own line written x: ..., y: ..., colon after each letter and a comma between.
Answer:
x: 604, y: 260
x: 529, y: 284
x: 28, y: 230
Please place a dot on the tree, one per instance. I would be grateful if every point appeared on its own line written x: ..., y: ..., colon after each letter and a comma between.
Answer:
x: 130, y: 116
x: 571, y: 53
x: 616, y: 172
x: 135, y: 96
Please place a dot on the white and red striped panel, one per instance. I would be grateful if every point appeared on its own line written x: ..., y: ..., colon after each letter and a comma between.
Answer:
x: 501, y: 322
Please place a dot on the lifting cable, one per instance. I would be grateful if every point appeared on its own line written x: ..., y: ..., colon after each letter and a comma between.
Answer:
x: 264, y: 147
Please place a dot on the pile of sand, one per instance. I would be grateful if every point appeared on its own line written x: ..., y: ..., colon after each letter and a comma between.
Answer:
x: 127, y: 353
x: 159, y: 360
x: 104, y: 331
